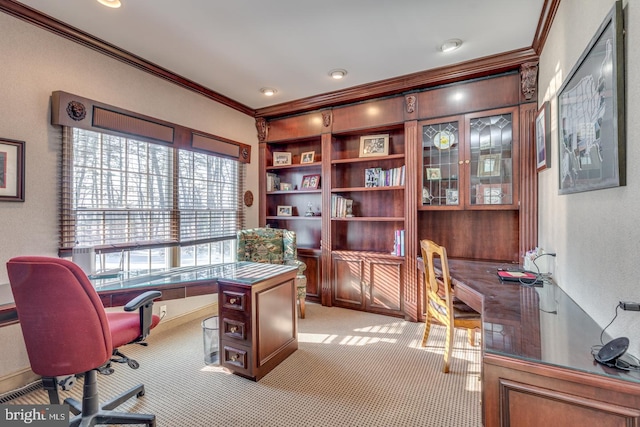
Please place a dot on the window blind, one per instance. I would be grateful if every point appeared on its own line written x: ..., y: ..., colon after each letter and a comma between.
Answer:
x: 121, y: 193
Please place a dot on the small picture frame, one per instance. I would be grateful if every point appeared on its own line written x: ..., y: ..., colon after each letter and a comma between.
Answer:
x: 374, y: 145
x: 284, y: 210
x: 11, y: 170
x: 543, y: 137
x: 307, y: 157
x: 310, y: 182
x: 433, y: 174
x: 452, y: 197
x: 281, y: 158
x: 286, y: 186
x: 489, y: 165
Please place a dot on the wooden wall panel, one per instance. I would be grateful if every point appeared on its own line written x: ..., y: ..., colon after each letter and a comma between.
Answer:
x: 294, y: 127
x: 368, y: 115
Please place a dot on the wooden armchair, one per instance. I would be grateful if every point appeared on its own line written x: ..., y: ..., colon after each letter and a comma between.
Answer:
x: 274, y: 246
x: 442, y: 305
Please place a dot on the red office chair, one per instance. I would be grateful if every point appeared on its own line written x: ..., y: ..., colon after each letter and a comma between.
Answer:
x: 67, y: 331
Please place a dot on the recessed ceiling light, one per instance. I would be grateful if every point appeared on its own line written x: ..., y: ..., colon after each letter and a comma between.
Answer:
x: 451, y: 45
x: 267, y: 91
x: 338, y: 73
x: 110, y: 3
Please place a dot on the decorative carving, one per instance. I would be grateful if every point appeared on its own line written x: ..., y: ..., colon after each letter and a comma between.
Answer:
x: 262, y: 127
x: 529, y: 79
x: 248, y: 198
x: 411, y: 103
x: 76, y: 110
x: 245, y: 153
x: 326, y: 118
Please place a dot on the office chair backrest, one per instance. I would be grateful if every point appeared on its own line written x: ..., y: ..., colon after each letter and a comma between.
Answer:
x: 63, y: 321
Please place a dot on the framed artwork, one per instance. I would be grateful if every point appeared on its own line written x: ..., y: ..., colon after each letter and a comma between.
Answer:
x: 281, y: 158
x: 489, y: 165
x: 286, y: 186
x: 11, y: 170
x: 310, y: 182
x: 543, y: 137
x: 591, y: 114
x: 284, y: 211
x: 374, y: 145
x: 372, y: 177
x: 307, y: 157
x: 433, y: 174
x: 452, y: 196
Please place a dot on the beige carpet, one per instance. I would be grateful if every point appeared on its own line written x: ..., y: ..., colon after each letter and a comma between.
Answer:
x: 351, y: 369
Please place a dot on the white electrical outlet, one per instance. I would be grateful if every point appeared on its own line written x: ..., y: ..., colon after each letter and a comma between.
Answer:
x: 163, y: 311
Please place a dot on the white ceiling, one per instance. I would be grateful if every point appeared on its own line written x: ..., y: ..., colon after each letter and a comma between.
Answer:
x: 236, y: 47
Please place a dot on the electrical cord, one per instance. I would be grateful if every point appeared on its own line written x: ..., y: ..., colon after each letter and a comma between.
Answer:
x: 539, y: 275
x: 625, y: 362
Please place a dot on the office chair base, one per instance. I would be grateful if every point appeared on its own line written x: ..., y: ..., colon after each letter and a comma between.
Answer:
x: 89, y: 412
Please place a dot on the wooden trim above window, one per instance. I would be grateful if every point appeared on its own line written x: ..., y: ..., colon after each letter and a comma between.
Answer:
x: 79, y: 112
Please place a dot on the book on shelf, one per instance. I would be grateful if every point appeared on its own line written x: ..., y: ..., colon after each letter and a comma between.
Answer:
x: 378, y: 177
x: 398, y: 245
x: 341, y: 207
x: 273, y: 182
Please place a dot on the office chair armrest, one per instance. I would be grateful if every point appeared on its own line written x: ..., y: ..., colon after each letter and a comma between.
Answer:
x: 141, y: 300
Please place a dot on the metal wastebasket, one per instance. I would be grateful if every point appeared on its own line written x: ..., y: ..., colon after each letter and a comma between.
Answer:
x: 210, y: 340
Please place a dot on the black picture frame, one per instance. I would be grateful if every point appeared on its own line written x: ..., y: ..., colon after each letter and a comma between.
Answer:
x: 11, y: 170
x: 591, y: 114
x: 543, y: 137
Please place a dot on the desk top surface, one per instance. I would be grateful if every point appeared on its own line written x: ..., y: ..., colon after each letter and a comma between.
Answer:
x: 244, y: 272
x: 540, y: 324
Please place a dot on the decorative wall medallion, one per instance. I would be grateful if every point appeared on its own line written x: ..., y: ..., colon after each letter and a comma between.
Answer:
x: 411, y: 103
x: 76, y: 110
x: 248, y: 198
x: 326, y: 118
x: 244, y: 153
x: 529, y: 79
x: 261, y: 126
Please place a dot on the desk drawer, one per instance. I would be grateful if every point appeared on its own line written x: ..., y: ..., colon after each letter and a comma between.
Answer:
x: 235, y: 299
x: 234, y: 328
x: 237, y: 358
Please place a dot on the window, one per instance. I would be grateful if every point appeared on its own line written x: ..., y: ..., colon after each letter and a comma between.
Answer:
x: 136, y: 202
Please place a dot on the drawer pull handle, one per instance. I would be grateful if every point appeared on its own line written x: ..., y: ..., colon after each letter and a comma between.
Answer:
x: 233, y: 357
x: 233, y: 329
x: 233, y: 300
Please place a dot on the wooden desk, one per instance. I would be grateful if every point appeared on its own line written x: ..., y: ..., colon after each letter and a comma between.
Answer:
x: 537, y: 367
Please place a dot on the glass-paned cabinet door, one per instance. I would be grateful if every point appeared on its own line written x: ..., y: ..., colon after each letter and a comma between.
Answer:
x: 491, y: 146
x: 441, y: 155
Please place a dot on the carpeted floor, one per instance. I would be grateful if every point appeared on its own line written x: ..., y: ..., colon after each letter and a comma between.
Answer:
x: 351, y: 369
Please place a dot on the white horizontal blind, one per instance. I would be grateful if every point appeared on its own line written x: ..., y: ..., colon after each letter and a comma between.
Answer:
x: 123, y: 193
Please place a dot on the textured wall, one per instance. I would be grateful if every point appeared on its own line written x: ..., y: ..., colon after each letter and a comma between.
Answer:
x: 596, y: 234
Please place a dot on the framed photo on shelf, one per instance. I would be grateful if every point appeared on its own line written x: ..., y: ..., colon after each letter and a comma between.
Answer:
x: 372, y: 177
x: 281, y: 158
x: 452, y: 196
x: 11, y: 171
x: 285, y: 211
x: 433, y: 174
x: 307, y: 157
x: 310, y: 182
x: 489, y: 165
x: 374, y: 145
x: 286, y: 186
x: 543, y: 137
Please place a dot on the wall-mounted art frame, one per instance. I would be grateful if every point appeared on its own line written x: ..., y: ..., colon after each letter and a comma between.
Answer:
x: 543, y: 137
x: 11, y: 170
x: 591, y: 114
x: 284, y: 210
x: 307, y: 157
x: 281, y: 158
x: 489, y: 165
x: 374, y: 145
x: 310, y: 182
x: 433, y: 174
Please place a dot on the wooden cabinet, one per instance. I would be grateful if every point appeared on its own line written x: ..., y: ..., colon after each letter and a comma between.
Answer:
x: 368, y: 281
x: 470, y: 161
x: 258, y: 323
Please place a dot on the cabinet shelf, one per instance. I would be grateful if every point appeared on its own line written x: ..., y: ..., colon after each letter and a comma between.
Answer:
x: 367, y: 159
x: 296, y: 166
x: 295, y: 218
x: 318, y: 191
x: 368, y: 218
x: 363, y: 189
